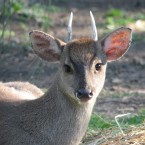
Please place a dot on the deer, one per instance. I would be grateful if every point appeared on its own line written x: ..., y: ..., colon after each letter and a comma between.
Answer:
x: 60, y: 116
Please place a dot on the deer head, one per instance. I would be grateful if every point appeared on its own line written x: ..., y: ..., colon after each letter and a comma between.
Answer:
x: 83, y: 61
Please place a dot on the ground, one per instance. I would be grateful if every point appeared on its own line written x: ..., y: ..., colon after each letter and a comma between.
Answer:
x: 124, y: 89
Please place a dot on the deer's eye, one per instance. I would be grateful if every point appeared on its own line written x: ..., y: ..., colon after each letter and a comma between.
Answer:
x: 98, y: 66
x: 67, y: 69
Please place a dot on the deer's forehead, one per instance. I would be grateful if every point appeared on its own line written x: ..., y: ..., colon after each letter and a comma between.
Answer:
x: 82, y: 50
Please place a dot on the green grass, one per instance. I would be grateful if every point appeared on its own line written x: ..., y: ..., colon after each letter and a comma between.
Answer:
x: 118, y: 17
x: 7, y: 33
x: 100, y: 126
x: 98, y: 122
x: 37, y: 12
x: 22, y: 13
x: 135, y: 119
x: 55, y: 9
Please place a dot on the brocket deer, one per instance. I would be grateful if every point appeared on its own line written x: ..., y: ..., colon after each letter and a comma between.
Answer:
x: 61, y: 115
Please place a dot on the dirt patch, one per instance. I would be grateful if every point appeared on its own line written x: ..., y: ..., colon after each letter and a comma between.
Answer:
x: 110, y: 106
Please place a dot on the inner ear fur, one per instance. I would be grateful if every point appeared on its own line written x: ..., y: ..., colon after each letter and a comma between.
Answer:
x: 46, y: 46
x: 116, y: 44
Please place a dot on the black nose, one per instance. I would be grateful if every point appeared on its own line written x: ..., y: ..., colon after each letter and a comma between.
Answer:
x: 84, y: 94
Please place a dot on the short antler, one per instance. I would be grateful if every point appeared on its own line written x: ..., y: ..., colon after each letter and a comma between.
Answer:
x: 70, y: 27
x: 94, y: 29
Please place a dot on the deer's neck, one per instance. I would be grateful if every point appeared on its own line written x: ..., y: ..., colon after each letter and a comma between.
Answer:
x: 55, y: 115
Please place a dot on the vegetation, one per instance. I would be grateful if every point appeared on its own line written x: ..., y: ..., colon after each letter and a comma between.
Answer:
x: 101, y: 129
x: 20, y: 11
x: 117, y: 17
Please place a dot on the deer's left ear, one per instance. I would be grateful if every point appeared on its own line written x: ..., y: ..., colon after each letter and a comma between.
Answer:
x: 117, y: 43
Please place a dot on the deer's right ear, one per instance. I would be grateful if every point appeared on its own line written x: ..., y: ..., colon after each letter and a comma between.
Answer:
x: 46, y: 46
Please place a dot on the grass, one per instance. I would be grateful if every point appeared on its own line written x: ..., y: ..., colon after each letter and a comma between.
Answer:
x: 38, y: 13
x: 23, y: 13
x: 101, y: 129
x: 110, y: 137
x: 7, y: 33
x: 98, y: 122
x: 135, y: 119
x: 118, y: 17
x: 105, y: 131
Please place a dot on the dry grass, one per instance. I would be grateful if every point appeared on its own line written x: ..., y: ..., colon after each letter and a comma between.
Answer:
x: 133, y: 136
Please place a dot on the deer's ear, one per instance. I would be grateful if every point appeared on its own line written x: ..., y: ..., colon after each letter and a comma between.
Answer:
x: 46, y: 46
x: 117, y: 43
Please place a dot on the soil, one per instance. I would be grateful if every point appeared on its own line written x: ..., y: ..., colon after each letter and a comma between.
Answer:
x: 124, y: 89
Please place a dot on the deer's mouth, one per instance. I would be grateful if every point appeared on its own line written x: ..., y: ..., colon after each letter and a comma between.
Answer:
x: 85, y: 99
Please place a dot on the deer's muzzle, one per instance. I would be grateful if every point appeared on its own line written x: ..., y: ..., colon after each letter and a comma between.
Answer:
x: 84, y: 94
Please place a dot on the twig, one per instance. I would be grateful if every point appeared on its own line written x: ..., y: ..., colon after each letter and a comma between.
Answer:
x: 118, y: 116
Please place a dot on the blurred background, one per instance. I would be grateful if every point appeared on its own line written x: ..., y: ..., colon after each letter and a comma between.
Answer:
x: 124, y: 89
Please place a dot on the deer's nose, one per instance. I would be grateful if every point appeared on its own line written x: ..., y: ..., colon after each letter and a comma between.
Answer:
x: 84, y: 94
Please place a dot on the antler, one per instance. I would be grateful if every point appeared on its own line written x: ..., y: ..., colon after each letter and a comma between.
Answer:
x: 94, y: 29
x: 70, y: 27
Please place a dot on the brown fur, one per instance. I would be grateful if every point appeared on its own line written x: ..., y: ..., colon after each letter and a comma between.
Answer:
x: 19, y: 91
x: 80, y: 50
x: 60, y: 116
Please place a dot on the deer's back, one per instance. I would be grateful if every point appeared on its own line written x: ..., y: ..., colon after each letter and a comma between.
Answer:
x: 18, y: 91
